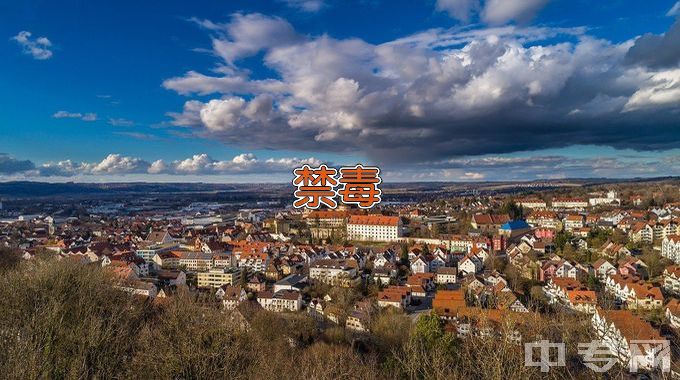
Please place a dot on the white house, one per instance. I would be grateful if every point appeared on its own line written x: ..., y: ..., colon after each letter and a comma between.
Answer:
x: 467, y: 266
x: 670, y: 248
x: 283, y: 300
x: 671, y: 279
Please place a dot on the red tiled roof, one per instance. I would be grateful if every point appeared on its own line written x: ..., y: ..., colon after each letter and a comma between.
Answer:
x: 374, y: 220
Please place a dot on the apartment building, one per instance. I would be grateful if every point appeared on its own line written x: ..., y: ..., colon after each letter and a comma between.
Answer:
x: 374, y: 228
x: 283, y: 300
x: 569, y: 203
x: 214, y: 278
x: 339, y: 272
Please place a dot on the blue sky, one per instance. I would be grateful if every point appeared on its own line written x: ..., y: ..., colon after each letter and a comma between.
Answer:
x: 244, y: 91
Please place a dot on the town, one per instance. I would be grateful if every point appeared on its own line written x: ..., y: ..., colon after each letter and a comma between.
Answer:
x: 492, y: 265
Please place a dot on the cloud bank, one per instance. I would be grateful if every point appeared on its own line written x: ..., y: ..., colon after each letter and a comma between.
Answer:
x: 116, y: 164
x: 493, y: 167
x: 438, y: 94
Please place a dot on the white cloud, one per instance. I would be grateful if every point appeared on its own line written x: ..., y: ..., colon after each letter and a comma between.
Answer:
x: 310, y: 6
x: 675, y: 10
x: 222, y: 114
x: 249, y: 34
x: 246, y: 163
x: 120, y: 122
x: 89, y: 117
x: 474, y: 176
x: 116, y: 164
x: 459, y: 9
x: 157, y: 167
x: 75, y: 115
x: 612, y: 163
x: 662, y: 89
x: 493, y: 12
x: 502, y: 11
x: 38, y: 48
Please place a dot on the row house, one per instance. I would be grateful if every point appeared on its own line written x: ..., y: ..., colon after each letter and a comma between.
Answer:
x: 633, y: 292
x: 532, y: 203
x: 583, y: 301
x: 568, y: 269
x: 499, y: 324
x: 569, y: 203
x: 670, y: 248
x: 557, y: 267
x: 557, y: 289
x: 603, y: 269
x: 641, y: 232
x: 665, y: 228
x: 623, y: 333
x: 671, y: 279
x: 673, y: 313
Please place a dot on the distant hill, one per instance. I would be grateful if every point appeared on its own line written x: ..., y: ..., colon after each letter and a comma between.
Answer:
x: 41, y: 189
x: 26, y: 189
